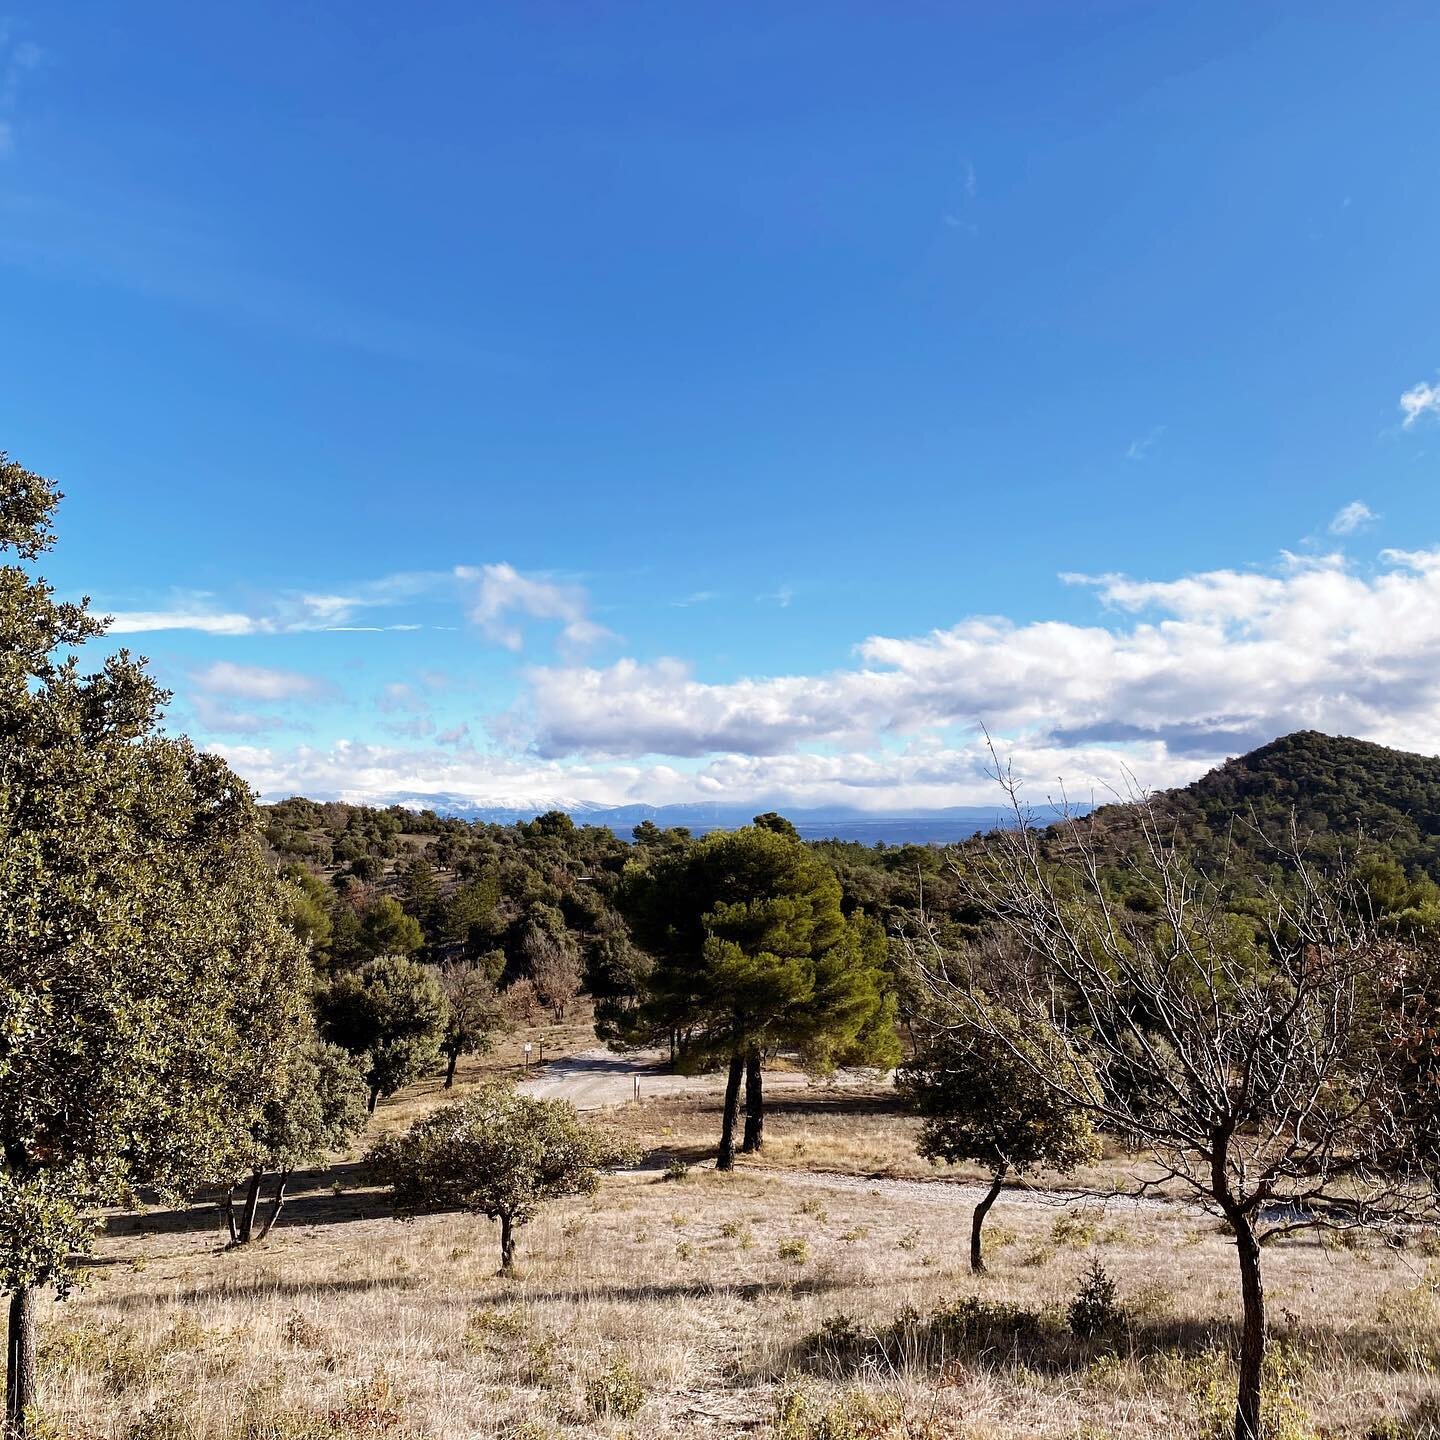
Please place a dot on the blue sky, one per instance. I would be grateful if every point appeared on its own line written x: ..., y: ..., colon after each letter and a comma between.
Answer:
x: 664, y: 402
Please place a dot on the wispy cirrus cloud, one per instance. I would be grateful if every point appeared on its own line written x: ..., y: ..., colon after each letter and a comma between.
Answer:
x: 1141, y: 446
x: 1419, y: 401
x: 18, y: 60
x: 503, y: 599
x: 1352, y: 517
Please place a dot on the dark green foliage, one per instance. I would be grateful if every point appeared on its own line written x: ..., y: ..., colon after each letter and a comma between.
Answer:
x: 981, y: 1099
x: 314, y: 1101
x: 982, y: 1096
x: 776, y: 823
x: 392, y: 1015
x: 387, y: 930
x: 499, y: 1154
x: 1337, y: 789
x: 753, y: 952
x: 1094, y: 1310
x: 751, y: 948
x: 140, y: 926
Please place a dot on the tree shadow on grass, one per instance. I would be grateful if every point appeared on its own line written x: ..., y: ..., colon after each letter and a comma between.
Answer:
x: 998, y: 1334
x: 821, y: 1100
x: 311, y: 1199
x: 245, y: 1288
x: 643, y: 1294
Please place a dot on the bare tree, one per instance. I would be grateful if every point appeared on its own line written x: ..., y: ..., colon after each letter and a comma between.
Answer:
x: 1259, y: 1048
x: 555, y: 968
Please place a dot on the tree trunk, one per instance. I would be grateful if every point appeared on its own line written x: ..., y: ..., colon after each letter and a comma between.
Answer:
x: 977, y: 1224
x: 449, y: 1069
x: 1252, y: 1331
x: 507, y: 1246
x: 374, y: 1099
x: 754, y: 1105
x: 227, y: 1209
x: 726, y: 1158
x: 252, y: 1203
x: 278, y: 1205
x: 20, y: 1367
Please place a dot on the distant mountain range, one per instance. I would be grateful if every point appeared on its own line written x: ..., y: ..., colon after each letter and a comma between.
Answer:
x: 920, y: 827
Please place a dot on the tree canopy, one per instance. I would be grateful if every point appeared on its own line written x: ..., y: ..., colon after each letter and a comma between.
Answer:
x: 138, y: 914
x: 753, y: 951
x: 499, y: 1154
x: 392, y: 1014
x: 981, y: 1096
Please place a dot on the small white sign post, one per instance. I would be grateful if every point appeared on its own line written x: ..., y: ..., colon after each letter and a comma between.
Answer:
x: 527, y: 1053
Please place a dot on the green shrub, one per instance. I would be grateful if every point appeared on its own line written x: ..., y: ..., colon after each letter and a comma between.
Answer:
x: 616, y: 1392
x: 1095, y: 1309
x: 852, y: 1415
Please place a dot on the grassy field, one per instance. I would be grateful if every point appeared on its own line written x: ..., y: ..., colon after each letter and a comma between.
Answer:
x: 781, y: 1301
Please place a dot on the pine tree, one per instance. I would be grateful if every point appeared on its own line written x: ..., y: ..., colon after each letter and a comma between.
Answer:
x: 753, y: 954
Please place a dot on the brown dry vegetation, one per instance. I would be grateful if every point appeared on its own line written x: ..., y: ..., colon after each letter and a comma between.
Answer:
x: 684, y: 1308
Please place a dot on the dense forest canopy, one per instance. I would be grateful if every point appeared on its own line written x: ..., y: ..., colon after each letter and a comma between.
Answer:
x: 394, y: 879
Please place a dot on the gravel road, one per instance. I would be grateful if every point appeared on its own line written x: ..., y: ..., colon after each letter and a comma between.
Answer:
x: 596, y: 1078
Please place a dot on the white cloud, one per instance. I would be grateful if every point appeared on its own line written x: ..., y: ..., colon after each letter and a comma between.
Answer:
x: 16, y: 61
x: 920, y: 777
x: 258, y: 682
x: 1199, y: 668
x: 286, y: 613
x: 1350, y: 518
x: 144, y: 622
x: 1418, y: 401
x: 1140, y: 448
x: 503, y: 596
x: 781, y: 597
x: 221, y: 719
x: 400, y: 696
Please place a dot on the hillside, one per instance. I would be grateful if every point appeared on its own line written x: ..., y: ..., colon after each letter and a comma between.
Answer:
x: 1335, y: 787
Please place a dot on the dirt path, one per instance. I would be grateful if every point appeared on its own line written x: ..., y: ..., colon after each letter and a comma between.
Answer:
x: 597, y: 1078
x: 964, y: 1193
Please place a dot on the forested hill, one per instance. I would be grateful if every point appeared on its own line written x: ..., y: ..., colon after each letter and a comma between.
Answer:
x: 1338, y: 790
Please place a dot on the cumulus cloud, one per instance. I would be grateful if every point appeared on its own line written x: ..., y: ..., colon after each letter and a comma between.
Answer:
x: 1418, y: 401
x: 1189, y: 670
x: 1352, y: 517
x: 920, y: 777
x: 503, y: 598
x: 259, y: 682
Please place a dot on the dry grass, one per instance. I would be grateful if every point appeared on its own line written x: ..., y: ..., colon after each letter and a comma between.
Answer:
x: 696, y: 1303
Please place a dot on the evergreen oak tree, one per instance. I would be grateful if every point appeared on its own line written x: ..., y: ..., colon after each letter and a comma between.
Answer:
x: 981, y: 1099
x: 135, y: 908
x: 753, y: 954
x: 312, y: 1099
x: 499, y: 1154
x: 392, y: 1014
